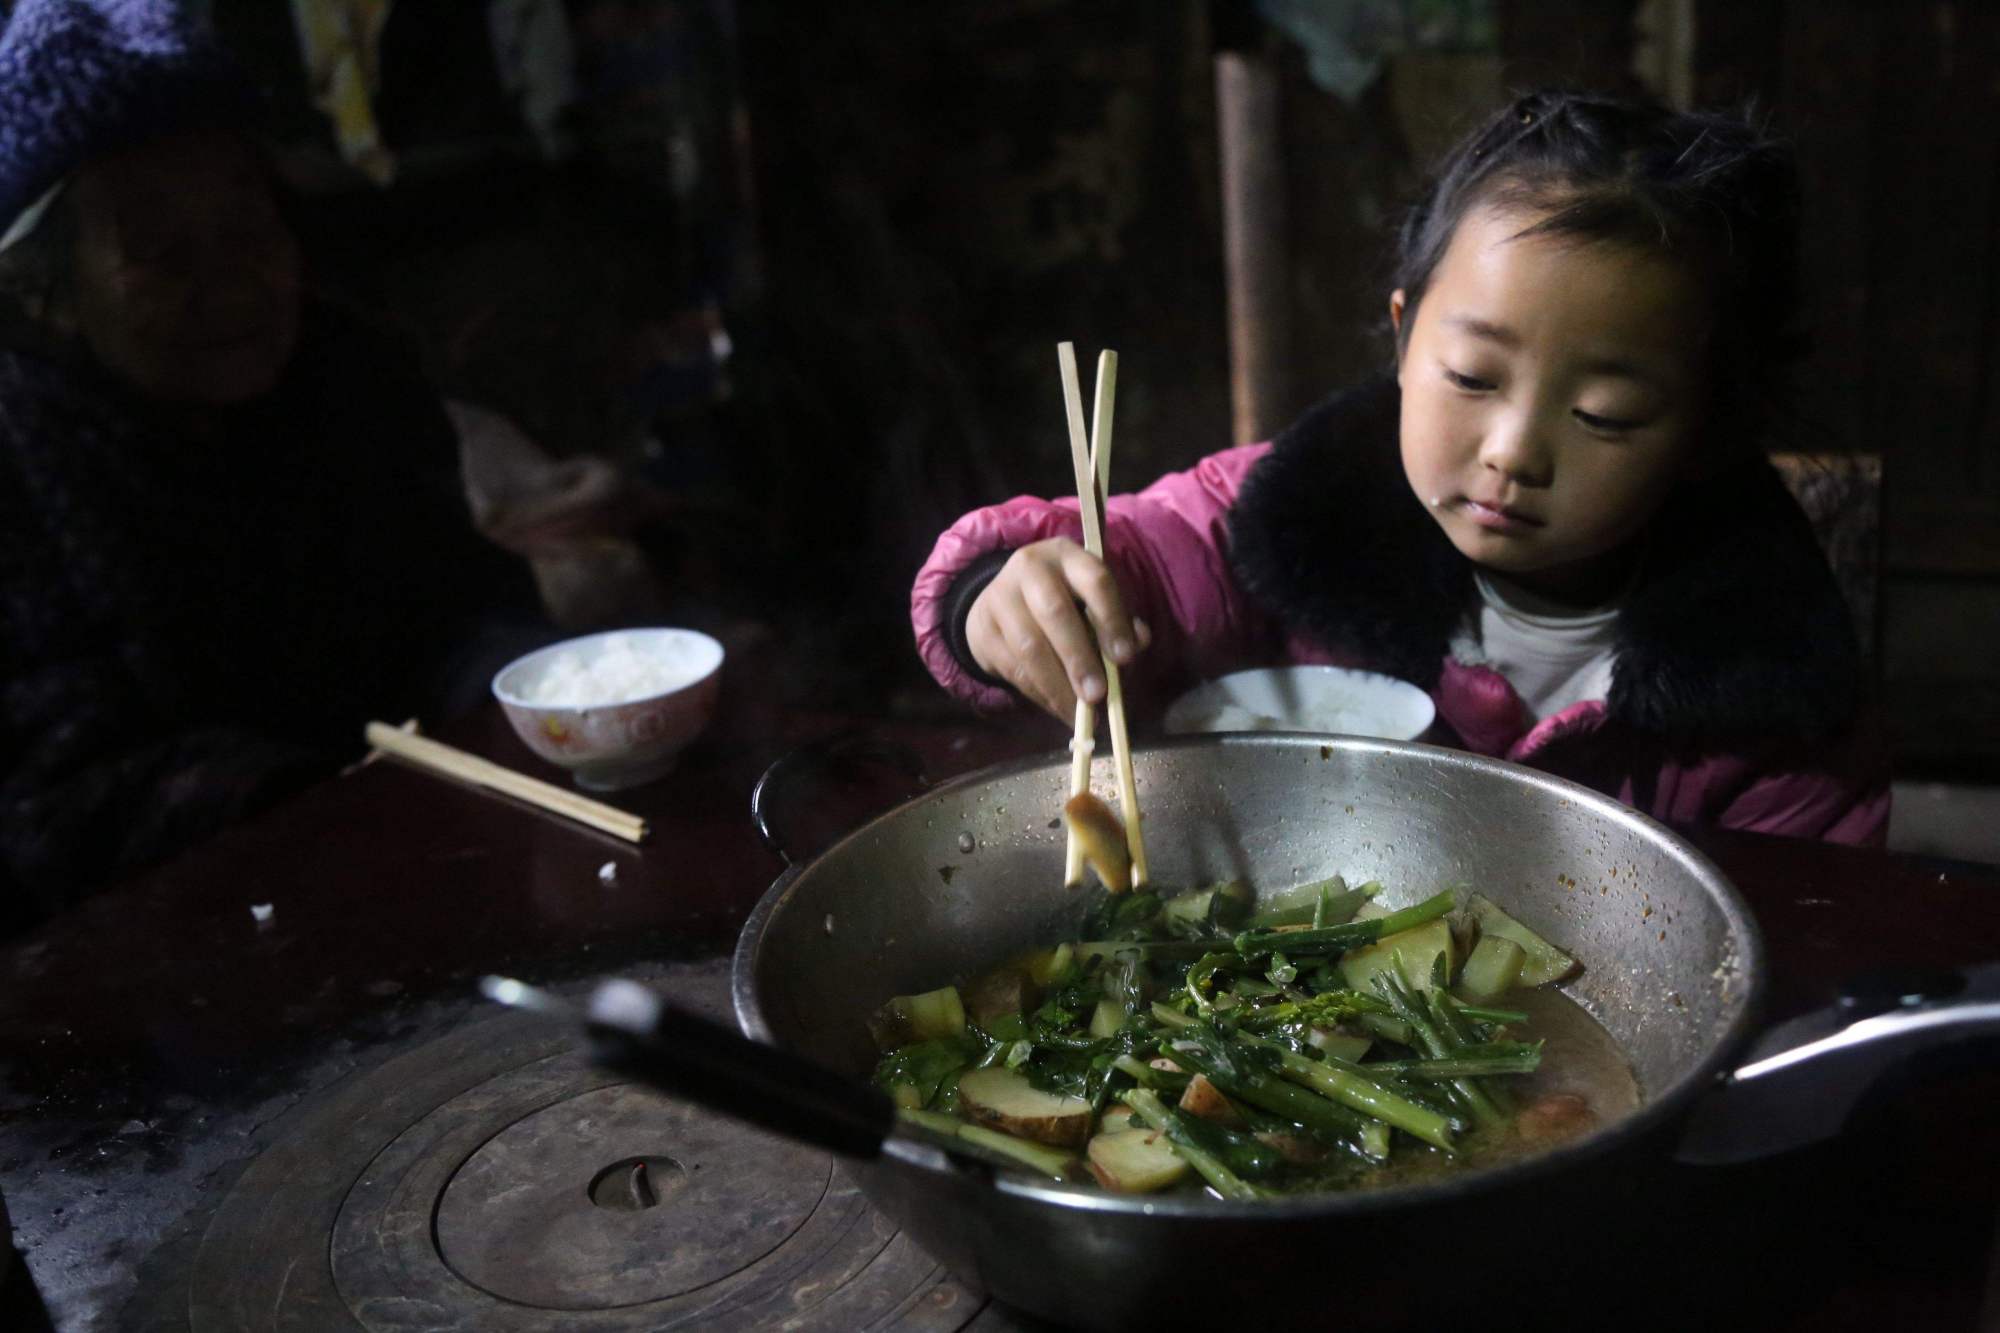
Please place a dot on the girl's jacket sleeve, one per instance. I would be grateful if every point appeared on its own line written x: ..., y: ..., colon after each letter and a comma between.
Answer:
x: 1844, y: 799
x: 1167, y: 546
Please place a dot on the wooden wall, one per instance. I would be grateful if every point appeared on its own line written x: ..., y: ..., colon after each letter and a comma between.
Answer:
x: 1893, y: 108
x: 945, y: 192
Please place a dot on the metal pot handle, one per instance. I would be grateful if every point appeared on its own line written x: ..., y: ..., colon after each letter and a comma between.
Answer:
x: 634, y: 1030
x: 1802, y: 1079
x: 847, y: 747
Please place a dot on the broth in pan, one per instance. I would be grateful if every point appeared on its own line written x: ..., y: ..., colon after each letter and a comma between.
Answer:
x: 1584, y: 1082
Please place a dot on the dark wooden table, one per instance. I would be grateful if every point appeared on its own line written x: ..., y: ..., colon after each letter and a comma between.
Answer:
x: 147, y: 1034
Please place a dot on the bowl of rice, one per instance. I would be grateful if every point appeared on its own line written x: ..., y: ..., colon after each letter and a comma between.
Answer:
x: 1332, y: 700
x: 617, y: 708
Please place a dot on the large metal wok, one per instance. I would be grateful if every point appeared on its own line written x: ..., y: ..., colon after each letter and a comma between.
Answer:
x: 947, y: 884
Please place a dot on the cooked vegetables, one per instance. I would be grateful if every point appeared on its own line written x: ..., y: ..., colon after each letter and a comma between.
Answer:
x: 1042, y: 1161
x: 1491, y: 969
x: 916, y: 1074
x: 1225, y: 904
x: 1202, y: 1098
x: 1337, y: 939
x: 1005, y: 1099
x: 1135, y: 1161
x: 1543, y: 963
x: 1101, y: 839
x: 1328, y: 902
x: 1005, y: 990
x: 1306, y: 1041
x: 1176, y: 1127
x: 1415, y: 953
x: 908, y: 1018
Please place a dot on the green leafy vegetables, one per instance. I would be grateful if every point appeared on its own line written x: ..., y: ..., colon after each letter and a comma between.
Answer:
x: 1212, y: 1040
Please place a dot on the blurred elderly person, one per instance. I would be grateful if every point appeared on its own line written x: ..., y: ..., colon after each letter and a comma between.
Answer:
x: 231, y: 523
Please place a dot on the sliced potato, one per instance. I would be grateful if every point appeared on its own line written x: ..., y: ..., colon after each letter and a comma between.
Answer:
x: 1204, y: 1099
x: 1101, y: 838
x: 1004, y: 1099
x: 1419, y: 947
x: 1544, y: 962
x: 1134, y: 1161
x: 1491, y: 969
x: 1118, y: 1116
x: 908, y: 1018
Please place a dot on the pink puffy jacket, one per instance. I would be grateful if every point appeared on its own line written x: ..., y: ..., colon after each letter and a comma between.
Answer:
x: 1168, y: 546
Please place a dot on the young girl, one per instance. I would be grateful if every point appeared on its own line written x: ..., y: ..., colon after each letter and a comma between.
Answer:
x: 1555, y: 517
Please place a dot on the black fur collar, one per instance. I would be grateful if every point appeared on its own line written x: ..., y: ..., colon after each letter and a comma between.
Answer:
x: 1736, y: 630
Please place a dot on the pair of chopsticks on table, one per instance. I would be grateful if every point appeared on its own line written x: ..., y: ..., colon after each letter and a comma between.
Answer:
x: 1092, y: 463
x: 437, y: 757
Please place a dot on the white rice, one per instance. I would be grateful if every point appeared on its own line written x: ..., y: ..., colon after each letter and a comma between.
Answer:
x: 1322, y: 717
x: 615, y: 670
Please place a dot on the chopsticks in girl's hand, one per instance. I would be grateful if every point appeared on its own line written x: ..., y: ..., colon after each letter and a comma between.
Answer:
x: 1082, y: 744
x: 1092, y: 465
x: 441, y: 758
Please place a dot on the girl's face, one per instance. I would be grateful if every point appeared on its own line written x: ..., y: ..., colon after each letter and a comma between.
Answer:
x: 187, y: 279
x: 1552, y: 392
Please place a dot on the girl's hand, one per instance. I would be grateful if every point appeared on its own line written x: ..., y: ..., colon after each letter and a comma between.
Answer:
x: 1027, y: 629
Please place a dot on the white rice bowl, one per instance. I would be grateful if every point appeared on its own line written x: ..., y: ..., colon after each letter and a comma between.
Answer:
x: 616, y: 668
x: 615, y: 708
x: 1335, y: 701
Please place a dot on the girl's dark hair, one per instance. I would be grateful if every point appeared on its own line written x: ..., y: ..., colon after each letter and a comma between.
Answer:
x: 1714, y: 189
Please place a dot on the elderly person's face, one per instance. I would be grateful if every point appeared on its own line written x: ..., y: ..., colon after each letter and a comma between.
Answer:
x: 187, y: 279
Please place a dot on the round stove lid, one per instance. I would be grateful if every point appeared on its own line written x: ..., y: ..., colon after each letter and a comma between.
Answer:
x: 491, y: 1179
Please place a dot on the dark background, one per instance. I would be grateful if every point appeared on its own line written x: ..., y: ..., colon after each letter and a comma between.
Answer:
x: 893, y: 213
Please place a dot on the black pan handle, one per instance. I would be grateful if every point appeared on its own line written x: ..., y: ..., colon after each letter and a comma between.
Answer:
x: 1801, y: 1080
x: 842, y: 754
x: 639, y: 1034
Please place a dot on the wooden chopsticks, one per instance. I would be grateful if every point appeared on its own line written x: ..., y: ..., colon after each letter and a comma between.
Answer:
x: 1092, y: 464
x: 438, y: 757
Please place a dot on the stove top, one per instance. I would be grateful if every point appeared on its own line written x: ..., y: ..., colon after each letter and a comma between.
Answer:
x: 491, y: 1179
